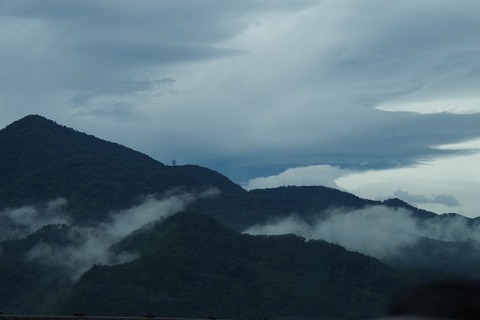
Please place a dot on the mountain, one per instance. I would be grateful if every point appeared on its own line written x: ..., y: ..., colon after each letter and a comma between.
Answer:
x: 68, y: 201
x: 192, y: 266
x: 189, y: 265
x: 27, y: 286
x: 459, y: 258
x: 263, y: 205
x: 418, y: 213
x: 42, y: 160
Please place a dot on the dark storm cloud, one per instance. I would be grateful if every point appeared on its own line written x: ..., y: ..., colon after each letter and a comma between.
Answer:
x: 389, y: 140
x: 126, y: 87
x: 178, y: 21
x: 408, y: 138
x: 138, y: 52
x: 92, y: 47
x: 87, y: 103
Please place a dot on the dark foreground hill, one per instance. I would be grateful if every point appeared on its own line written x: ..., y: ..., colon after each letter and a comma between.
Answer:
x: 29, y: 286
x: 191, y: 266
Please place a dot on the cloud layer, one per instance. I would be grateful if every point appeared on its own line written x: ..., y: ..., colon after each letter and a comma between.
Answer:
x: 377, y: 231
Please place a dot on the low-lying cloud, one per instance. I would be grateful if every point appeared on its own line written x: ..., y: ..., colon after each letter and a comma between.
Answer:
x: 90, y: 245
x: 377, y: 231
x: 16, y: 223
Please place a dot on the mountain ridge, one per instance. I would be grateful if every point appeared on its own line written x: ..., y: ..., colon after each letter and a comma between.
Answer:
x: 43, y: 160
x: 196, y: 267
x: 97, y: 183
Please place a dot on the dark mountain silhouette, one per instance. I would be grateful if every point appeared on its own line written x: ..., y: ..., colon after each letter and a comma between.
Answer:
x: 42, y: 160
x: 27, y: 287
x: 260, y: 206
x: 418, y: 213
x: 191, y: 257
x: 191, y: 265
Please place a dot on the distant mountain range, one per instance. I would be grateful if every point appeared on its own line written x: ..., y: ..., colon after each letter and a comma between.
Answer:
x: 91, y: 226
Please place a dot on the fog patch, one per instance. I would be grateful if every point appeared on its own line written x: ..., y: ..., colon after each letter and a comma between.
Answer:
x: 377, y: 231
x: 91, y: 244
x: 17, y: 223
x: 450, y: 228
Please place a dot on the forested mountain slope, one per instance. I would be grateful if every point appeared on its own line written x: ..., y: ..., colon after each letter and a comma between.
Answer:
x: 192, y: 266
x: 42, y: 160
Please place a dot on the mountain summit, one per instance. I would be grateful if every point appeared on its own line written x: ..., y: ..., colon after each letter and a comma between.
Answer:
x: 42, y: 160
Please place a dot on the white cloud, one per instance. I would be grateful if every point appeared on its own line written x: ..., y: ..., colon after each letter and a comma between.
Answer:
x: 378, y: 231
x: 16, y: 223
x: 461, y: 106
x: 353, y: 230
x: 323, y: 175
x: 457, y: 176
x: 443, y: 184
x: 91, y: 244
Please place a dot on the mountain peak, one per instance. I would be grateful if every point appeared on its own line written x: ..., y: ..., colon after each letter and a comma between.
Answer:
x: 30, y: 121
x: 42, y: 160
x: 30, y: 118
x: 34, y: 117
x: 34, y: 132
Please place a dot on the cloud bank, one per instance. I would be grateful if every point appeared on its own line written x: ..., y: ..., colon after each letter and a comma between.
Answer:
x: 377, y: 231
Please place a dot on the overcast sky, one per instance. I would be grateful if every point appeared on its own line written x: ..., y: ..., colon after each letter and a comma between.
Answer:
x: 379, y: 98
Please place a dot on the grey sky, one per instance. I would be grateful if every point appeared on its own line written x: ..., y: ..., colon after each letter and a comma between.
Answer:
x: 252, y: 88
